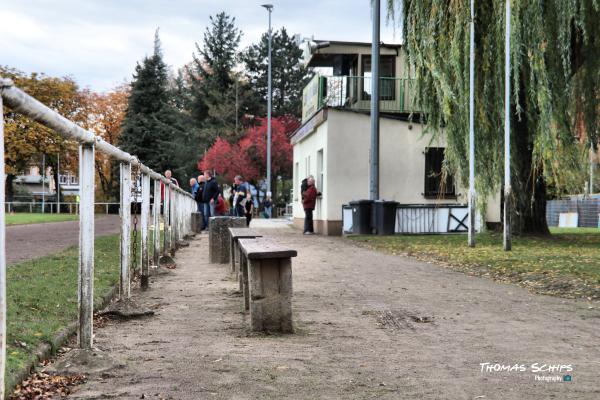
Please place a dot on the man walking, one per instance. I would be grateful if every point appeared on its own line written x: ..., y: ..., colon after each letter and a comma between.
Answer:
x: 309, y: 200
x: 211, y: 194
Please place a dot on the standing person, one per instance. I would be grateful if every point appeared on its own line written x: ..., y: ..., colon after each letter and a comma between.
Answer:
x: 168, y: 175
x: 268, y: 206
x: 172, y: 180
x: 232, y: 200
x: 211, y: 193
x: 200, y: 200
x: 241, y: 195
x: 249, y: 208
x: 309, y: 200
x: 194, y: 190
x: 221, y: 207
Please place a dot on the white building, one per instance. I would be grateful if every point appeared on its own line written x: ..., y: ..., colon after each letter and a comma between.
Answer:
x: 333, y: 145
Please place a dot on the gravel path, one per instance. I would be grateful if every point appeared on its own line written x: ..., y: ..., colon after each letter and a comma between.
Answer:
x: 27, y: 242
x: 369, y: 326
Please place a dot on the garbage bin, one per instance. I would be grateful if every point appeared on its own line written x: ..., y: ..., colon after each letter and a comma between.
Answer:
x: 384, y: 217
x: 361, y: 216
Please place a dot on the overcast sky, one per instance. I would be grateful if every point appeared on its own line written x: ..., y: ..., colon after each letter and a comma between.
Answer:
x: 98, y: 42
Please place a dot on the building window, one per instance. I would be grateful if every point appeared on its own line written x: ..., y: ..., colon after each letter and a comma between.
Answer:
x: 320, y: 170
x: 435, y: 185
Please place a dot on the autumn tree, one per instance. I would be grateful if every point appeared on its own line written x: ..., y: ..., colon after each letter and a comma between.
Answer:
x: 554, y: 69
x: 103, y: 114
x: 289, y: 76
x: 25, y: 138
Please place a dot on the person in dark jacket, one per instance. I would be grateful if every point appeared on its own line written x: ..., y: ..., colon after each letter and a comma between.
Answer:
x: 210, y: 195
x: 249, y: 208
x: 309, y: 200
x: 200, y: 200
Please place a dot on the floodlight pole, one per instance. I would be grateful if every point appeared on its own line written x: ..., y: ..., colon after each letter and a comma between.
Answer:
x: 472, y: 193
x: 507, y: 186
x: 374, y: 167
x: 269, y: 8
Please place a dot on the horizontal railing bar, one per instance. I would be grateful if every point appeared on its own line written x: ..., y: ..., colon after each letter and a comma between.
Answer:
x: 21, y: 102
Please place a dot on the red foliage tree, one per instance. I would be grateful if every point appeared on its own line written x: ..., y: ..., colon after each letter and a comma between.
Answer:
x: 227, y: 161
x: 248, y: 157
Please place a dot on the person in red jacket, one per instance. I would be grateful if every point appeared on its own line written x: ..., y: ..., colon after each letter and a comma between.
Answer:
x: 309, y: 200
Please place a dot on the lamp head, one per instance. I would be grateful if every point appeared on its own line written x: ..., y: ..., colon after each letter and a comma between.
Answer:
x: 268, y: 6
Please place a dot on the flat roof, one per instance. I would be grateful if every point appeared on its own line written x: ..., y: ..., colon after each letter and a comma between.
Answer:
x: 364, y: 44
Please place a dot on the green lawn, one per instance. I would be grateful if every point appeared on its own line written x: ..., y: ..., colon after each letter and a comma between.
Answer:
x: 37, y: 218
x: 565, y: 264
x: 42, y: 297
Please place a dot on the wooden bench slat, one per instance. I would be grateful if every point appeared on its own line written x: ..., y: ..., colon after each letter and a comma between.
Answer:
x: 261, y: 249
x: 243, y: 233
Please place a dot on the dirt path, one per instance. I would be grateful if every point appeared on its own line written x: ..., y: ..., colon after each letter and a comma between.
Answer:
x: 26, y: 242
x: 369, y: 326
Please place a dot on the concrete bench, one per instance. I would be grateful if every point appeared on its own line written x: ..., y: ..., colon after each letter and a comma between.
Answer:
x: 235, y: 234
x: 268, y: 286
x: 218, y: 237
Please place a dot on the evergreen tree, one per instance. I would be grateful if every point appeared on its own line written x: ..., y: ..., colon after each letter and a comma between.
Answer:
x: 152, y: 124
x: 213, y: 105
x: 289, y: 76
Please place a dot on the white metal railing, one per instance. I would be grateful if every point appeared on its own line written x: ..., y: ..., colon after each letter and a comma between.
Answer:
x: 176, y: 212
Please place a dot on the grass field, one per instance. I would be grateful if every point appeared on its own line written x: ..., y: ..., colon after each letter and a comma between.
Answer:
x: 567, y: 263
x: 42, y: 297
x: 38, y: 218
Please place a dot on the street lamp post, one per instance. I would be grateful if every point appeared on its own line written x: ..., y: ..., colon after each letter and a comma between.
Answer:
x: 269, y: 8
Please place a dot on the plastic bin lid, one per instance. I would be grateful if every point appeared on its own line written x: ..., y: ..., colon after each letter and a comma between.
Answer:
x: 357, y: 202
x: 386, y: 201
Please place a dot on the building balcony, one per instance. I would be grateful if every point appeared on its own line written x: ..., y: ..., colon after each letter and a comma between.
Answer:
x: 396, y: 95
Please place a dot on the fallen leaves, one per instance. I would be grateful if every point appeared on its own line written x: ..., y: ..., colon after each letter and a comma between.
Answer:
x: 41, y: 386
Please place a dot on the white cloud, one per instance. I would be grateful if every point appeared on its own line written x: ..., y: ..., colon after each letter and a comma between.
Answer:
x: 99, y: 42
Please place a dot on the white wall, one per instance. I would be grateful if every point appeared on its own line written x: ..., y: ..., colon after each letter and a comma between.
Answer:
x: 305, y: 155
x: 401, y: 161
x: 345, y: 140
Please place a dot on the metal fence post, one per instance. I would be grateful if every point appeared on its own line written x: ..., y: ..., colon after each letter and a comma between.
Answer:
x: 145, y: 226
x: 166, y: 218
x: 86, y: 246
x: 172, y: 222
x: 156, y: 215
x: 2, y: 260
x: 125, y: 284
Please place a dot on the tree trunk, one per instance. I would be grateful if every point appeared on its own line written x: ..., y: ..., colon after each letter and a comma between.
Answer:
x: 10, y: 193
x: 529, y: 185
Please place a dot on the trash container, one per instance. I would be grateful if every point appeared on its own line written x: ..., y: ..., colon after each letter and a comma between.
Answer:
x: 384, y: 217
x: 361, y: 216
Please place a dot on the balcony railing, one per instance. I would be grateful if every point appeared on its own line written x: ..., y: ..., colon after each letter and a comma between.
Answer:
x: 354, y: 92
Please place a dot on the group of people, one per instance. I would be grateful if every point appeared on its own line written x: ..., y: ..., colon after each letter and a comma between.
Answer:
x: 210, y: 200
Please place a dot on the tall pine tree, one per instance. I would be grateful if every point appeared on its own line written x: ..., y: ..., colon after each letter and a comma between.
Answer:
x: 288, y: 74
x: 214, y: 84
x: 152, y: 124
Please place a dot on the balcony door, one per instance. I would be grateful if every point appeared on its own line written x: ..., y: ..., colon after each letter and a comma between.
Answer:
x: 387, y: 73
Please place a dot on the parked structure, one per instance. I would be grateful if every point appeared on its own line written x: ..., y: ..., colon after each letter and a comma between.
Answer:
x: 333, y: 142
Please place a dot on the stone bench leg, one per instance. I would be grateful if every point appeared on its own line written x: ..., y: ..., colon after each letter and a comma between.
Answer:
x: 243, y: 279
x: 232, y: 254
x: 270, y: 286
